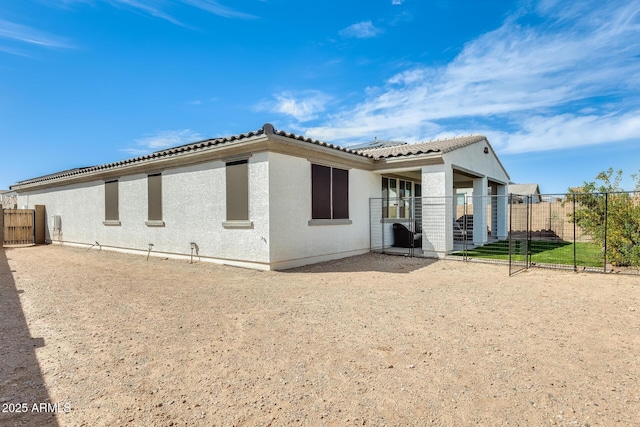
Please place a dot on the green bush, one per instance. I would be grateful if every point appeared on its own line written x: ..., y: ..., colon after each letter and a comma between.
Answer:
x: 611, y: 217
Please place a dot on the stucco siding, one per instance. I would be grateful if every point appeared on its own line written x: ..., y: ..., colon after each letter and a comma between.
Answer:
x: 295, y: 242
x: 81, y: 207
x: 193, y: 209
x: 474, y: 159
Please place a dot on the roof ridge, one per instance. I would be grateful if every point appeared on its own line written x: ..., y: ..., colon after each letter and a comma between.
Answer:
x: 266, y: 129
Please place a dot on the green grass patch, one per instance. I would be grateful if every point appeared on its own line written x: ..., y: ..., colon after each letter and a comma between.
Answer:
x: 542, y: 251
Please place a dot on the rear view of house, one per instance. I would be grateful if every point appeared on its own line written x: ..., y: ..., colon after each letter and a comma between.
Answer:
x: 266, y: 199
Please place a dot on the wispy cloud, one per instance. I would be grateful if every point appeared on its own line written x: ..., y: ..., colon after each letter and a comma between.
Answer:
x: 24, y: 34
x: 147, y: 8
x: 216, y: 8
x: 397, y: 2
x: 533, y: 80
x: 304, y: 106
x: 158, y: 9
x: 361, y: 30
x: 162, y: 140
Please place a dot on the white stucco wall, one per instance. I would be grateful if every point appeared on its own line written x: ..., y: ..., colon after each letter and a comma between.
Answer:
x: 473, y: 158
x: 293, y: 241
x: 437, y: 206
x: 194, y: 208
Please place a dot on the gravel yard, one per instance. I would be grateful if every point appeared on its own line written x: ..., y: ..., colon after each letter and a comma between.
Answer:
x: 109, y: 339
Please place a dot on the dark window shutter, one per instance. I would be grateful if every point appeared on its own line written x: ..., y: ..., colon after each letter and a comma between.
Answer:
x: 238, y: 190
x: 111, y: 201
x: 340, y: 194
x: 154, y: 193
x: 320, y: 192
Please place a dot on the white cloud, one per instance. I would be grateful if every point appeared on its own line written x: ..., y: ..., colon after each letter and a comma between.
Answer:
x: 397, y: 2
x: 24, y: 34
x: 540, y: 133
x: 535, y: 79
x: 361, y: 30
x: 162, y: 140
x: 303, y: 107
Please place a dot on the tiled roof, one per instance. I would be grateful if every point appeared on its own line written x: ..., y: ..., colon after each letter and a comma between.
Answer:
x: 316, y: 142
x: 438, y: 146
x: 378, y: 143
x: 184, y: 149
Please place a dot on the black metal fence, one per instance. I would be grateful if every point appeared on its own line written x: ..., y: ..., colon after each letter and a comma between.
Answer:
x: 597, y: 232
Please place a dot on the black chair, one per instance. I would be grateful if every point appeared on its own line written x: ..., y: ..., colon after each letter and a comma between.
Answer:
x: 405, y: 238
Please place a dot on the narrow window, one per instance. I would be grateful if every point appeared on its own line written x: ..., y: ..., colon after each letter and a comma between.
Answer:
x: 393, y: 198
x: 111, y: 214
x: 238, y: 191
x: 329, y: 193
x: 154, y: 194
x: 385, y: 197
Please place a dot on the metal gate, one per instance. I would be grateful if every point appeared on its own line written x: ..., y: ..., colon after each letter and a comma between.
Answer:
x: 519, y: 234
x: 396, y: 225
x: 18, y: 226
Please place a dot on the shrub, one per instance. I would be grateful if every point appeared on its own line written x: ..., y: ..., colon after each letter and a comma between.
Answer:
x: 610, y: 216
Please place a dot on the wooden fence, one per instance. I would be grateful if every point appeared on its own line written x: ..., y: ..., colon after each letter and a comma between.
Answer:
x: 22, y: 226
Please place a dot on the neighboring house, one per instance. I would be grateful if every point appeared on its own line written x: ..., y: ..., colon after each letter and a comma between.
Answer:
x: 266, y: 199
x: 520, y: 191
x: 8, y: 199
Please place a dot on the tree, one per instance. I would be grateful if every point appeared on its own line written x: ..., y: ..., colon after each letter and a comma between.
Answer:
x: 610, y: 216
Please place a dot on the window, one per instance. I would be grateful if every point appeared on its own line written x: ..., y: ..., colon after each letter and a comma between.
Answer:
x: 329, y: 193
x: 154, y: 196
x: 111, y: 215
x: 237, y: 174
x: 396, y: 197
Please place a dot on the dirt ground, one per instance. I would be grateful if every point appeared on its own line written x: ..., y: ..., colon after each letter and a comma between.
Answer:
x: 110, y: 339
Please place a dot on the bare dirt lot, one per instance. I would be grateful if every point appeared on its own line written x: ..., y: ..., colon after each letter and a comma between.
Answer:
x: 112, y: 339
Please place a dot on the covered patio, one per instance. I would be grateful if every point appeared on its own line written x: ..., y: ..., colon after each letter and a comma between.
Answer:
x: 424, y: 198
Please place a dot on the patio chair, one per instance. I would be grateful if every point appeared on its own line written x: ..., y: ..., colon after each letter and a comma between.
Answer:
x: 405, y: 238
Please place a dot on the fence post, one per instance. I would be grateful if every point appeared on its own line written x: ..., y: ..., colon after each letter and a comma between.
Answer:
x: 575, y: 263
x: 509, y: 234
x: 382, y: 225
x: 527, y: 258
x: 464, y: 231
x: 606, y: 223
x: 412, y: 228
x: 40, y: 224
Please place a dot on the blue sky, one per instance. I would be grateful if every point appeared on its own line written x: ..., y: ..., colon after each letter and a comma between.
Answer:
x: 554, y: 85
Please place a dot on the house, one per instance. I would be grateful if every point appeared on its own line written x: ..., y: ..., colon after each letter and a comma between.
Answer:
x: 266, y: 199
x: 521, y: 191
x: 8, y: 199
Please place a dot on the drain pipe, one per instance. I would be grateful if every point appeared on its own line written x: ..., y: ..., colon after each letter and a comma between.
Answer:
x: 149, y: 253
